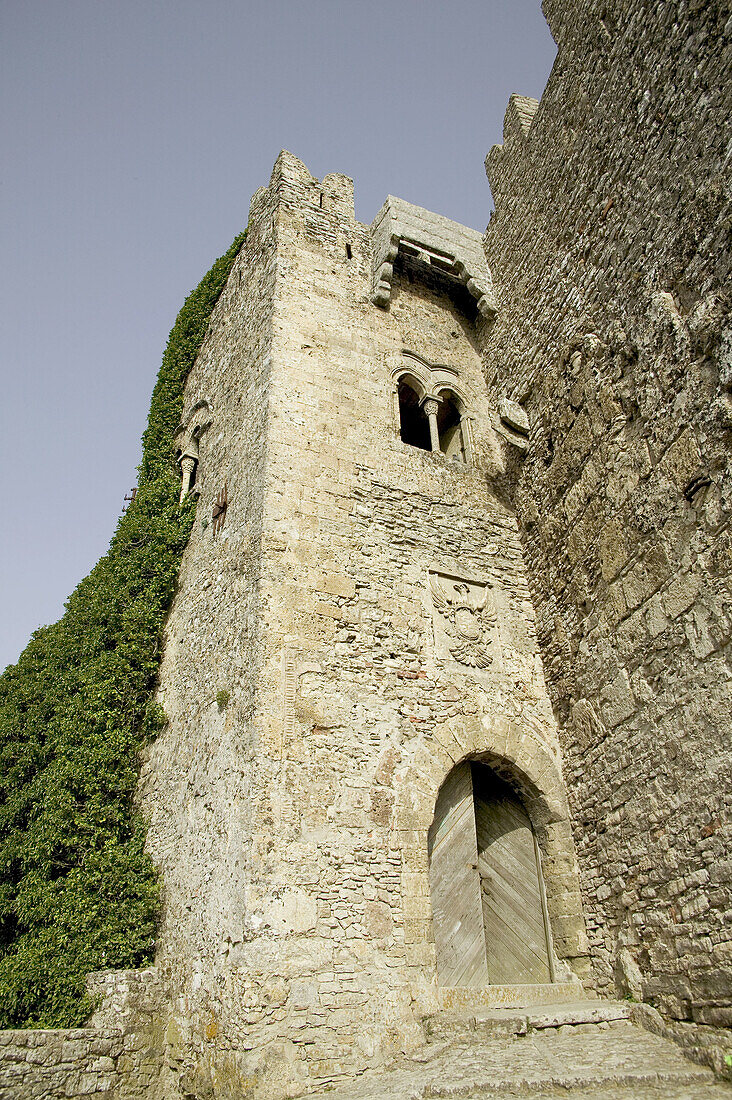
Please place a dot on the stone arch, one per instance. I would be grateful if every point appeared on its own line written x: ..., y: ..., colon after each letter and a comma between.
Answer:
x: 519, y: 756
x: 431, y: 377
x: 440, y: 398
x: 195, y: 422
x: 411, y: 379
x: 453, y: 425
x: 187, y: 437
x: 414, y: 428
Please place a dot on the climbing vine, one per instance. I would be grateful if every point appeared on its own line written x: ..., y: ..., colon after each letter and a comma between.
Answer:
x: 77, y: 891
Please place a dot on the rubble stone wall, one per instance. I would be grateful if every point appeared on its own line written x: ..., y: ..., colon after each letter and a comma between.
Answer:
x: 74, y: 1062
x: 609, y: 250
x: 195, y: 783
x: 66, y: 1062
x: 290, y: 820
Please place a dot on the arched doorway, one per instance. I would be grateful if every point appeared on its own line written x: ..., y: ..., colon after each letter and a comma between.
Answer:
x: 488, y: 903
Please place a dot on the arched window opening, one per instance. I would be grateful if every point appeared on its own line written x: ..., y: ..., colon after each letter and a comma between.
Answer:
x: 414, y: 427
x: 450, y: 428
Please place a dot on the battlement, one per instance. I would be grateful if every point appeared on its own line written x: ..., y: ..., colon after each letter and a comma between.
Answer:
x: 501, y: 161
x: 292, y: 184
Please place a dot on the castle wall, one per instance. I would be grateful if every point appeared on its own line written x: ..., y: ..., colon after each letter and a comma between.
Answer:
x: 318, y: 689
x: 291, y: 823
x: 359, y: 715
x: 195, y: 784
x: 608, y: 250
x: 69, y: 1062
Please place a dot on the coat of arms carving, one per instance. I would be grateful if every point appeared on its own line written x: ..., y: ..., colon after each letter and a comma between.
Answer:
x: 467, y: 617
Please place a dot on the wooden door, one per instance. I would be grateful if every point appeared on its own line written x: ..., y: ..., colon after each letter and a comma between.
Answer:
x: 511, y: 887
x: 455, y: 884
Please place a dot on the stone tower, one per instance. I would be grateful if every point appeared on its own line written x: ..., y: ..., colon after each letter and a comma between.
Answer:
x: 351, y: 671
x: 448, y: 521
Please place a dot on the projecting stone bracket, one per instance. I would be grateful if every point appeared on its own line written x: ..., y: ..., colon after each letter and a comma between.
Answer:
x: 436, y: 242
x: 513, y: 424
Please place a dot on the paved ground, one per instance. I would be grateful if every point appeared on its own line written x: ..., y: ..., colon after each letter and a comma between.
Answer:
x: 615, y: 1061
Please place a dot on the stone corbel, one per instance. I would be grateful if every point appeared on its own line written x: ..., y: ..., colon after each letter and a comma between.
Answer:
x: 383, y: 276
x: 480, y: 290
x: 513, y: 423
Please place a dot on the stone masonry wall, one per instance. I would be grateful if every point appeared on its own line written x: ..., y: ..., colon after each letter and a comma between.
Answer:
x: 290, y: 820
x: 194, y: 787
x: 359, y: 712
x: 64, y: 1063
x: 609, y: 254
x: 104, y: 1062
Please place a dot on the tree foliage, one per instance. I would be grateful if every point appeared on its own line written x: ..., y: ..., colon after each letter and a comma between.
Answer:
x: 77, y: 890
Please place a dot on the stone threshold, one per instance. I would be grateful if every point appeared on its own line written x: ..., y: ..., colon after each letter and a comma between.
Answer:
x: 504, y: 1022
x: 509, y: 996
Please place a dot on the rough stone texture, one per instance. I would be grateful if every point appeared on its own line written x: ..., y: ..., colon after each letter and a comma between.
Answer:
x: 609, y: 253
x: 320, y: 683
x: 610, y: 1062
x: 291, y: 824
x: 76, y: 1062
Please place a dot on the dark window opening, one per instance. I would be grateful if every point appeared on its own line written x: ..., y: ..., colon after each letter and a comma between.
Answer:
x: 349, y: 253
x: 449, y: 427
x: 321, y: 200
x: 414, y: 427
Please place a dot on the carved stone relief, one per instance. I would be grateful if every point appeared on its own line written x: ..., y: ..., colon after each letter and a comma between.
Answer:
x: 465, y: 619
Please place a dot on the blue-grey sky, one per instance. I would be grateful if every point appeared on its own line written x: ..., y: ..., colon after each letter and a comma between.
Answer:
x: 133, y: 133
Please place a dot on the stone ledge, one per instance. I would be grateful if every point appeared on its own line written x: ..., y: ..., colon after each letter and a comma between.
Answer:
x: 509, y: 996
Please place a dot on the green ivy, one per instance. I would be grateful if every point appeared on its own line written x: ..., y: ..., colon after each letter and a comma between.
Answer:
x: 77, y: 891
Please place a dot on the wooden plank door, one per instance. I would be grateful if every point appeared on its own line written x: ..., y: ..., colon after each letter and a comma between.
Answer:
x: 511, y: 887
x: 455, y: 884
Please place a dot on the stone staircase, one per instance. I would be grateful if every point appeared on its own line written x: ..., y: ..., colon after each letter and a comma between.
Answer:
x: 588, y: 1049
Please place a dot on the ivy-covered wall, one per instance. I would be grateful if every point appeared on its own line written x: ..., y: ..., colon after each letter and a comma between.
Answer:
x: 77, y: 891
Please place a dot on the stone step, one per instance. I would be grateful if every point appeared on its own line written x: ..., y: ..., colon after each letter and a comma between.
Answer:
x: 496, y: 1022
x: 614, y: 1061
x: 509, y: 996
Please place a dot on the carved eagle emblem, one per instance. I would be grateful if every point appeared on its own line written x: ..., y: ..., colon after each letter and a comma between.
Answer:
x: 467, y: 620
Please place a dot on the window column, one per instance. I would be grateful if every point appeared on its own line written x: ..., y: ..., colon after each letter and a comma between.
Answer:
x: 430, y: 406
